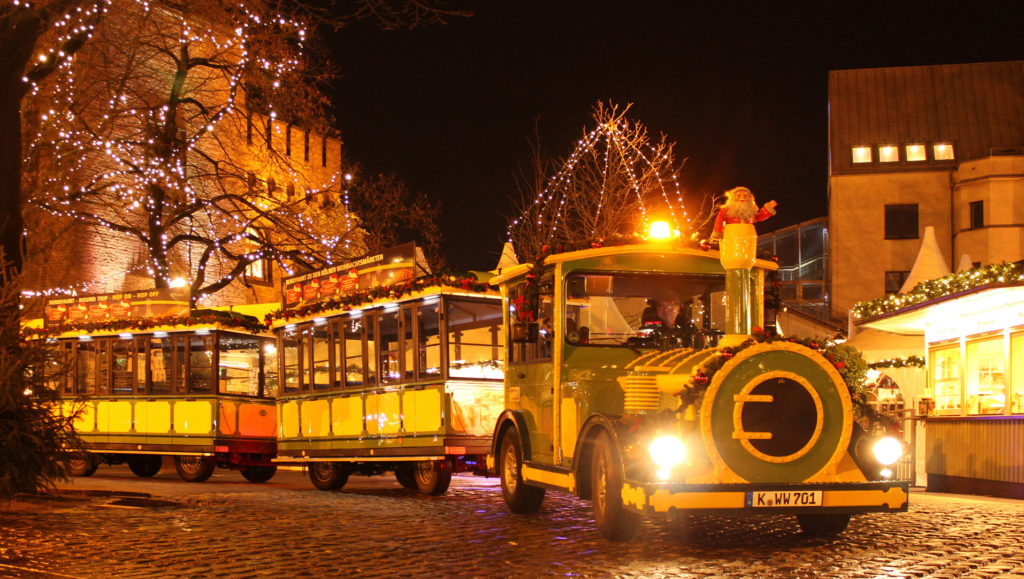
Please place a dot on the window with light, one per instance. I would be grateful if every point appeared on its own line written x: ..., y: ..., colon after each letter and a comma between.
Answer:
x: 945, y: 368
x: 888, y: 154
x: 943, y: 152
x: 916, y: 153
x: 986, y: 376
x: 1017, y: 372
x: 861, y: 154
x: 259, y: 270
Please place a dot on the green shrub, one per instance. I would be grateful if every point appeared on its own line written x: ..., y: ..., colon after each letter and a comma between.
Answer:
x: 33, y: 436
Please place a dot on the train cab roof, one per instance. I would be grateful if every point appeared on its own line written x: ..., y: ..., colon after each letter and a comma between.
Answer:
x: 639, y: 257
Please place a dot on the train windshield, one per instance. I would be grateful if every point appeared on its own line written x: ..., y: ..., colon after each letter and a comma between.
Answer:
x: 617, y: 309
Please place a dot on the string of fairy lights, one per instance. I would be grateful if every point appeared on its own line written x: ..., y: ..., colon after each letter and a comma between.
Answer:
x: 133, y: 156
x: 999, y: 273
x: 611, y: 142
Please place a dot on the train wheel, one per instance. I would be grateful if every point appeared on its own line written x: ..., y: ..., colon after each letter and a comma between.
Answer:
x: 259, y: 474
x: 433, y: 476
x: 145, y: 465
x: 328, y: 476
x: 823, y: 525
x: 614, y: 521
x: 194, y: 468
x: 519, y: 496
x: 82, y: 465
x: 406, y: 476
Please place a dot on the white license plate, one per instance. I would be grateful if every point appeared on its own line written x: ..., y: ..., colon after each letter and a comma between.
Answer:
x: 769, y: 499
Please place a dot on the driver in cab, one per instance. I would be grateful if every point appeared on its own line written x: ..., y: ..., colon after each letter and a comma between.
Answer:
x: 663, y: 322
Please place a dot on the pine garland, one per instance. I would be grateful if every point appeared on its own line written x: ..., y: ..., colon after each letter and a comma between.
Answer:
x: 908, y: 362
x: 955, y: 283
x: 229, y: 320
x: 394, y: 291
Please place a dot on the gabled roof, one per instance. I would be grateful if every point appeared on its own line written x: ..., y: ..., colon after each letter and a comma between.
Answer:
x: 977, y: 107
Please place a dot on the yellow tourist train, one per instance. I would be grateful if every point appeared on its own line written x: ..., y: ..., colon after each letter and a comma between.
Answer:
x: 394, y: 374
x: 149, y: 379
x: 636, y: 376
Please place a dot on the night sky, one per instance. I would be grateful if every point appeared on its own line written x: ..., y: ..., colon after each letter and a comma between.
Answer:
x: 740, y: 87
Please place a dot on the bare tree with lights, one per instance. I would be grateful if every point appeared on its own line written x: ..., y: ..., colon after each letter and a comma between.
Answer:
x: 157, y: 128
x: 389, y: 213
x: 64, y: 25
x: 615, y: 182
x: 375, y: 212
x: 37, y: 37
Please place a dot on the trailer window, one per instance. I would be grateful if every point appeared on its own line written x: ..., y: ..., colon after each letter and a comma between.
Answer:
x: 85, y: 368
x: 271, y: 383
x: 160, y: 362
x: 390, y: 352
x: 320, y: 351
x: 290, y: 345
x: 238, y: 365
x: 354, y: 352
x: 305, y: 349
x: 474, y: 340
x: 408, y: 343
x: 58, y: 368
x: 429, y: 336
x: 180, y: 357
x: 123, y: 360
x: 200, y: 363
x: 370, y: 331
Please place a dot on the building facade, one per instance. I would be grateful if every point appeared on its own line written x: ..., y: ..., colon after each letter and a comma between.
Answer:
x: 912, y: 147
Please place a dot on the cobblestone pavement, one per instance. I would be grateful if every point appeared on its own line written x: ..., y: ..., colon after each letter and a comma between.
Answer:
x: 382, y: 530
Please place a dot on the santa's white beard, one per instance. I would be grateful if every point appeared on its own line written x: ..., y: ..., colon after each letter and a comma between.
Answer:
x: 743, y: 211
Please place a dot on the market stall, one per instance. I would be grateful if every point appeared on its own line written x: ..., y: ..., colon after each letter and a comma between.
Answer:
x: 972, y: 328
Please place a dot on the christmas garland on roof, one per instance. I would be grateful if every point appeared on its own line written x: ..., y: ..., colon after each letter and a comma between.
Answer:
x: 465, y: 282
x: 227, y: 320
x: 908, y: 362
x: 941, y: 287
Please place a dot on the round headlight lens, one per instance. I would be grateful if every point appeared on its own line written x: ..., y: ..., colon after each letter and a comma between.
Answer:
x: 888, y: 450
x: 667, y: 451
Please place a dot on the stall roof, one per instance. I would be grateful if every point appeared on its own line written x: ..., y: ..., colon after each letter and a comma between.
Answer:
x: 876, y: 345
x: 915, y: 319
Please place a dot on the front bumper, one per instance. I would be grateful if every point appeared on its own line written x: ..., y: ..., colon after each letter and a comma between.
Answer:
x: 862, y: 497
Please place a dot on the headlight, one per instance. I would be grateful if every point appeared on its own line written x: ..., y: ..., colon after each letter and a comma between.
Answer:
x: 667, y: 451
x: 888, y: 450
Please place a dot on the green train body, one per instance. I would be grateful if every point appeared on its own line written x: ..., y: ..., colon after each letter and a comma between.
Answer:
x: 745, y: 426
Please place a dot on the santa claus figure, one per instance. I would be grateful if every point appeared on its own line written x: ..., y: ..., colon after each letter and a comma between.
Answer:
x: 740, y: 208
